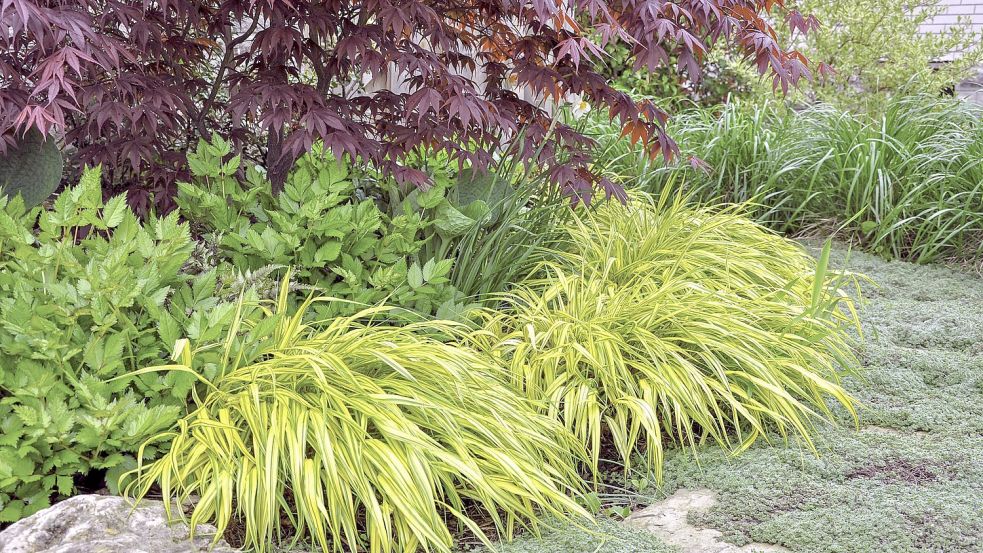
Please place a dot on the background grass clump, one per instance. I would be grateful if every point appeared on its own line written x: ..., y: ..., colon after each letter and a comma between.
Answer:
x: 903, y: 181
x: 668, y: 323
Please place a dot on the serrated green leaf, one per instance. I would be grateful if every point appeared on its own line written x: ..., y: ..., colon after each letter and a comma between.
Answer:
x: 329, y: 251
x: 442, y: 268
x: 12, y: 511
x: 430, y: 198
x: 428, y: 268
x: 65, y: 485
x: 114, y: 211
x: 231, y: 166
x: 415, y: 276
x: 89, y: 186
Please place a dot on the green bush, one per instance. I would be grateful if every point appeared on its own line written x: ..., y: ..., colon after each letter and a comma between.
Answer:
x: 93, y: 295
x: 664, y: 322
x: 359, y: 237
x: 359, y: 438
x: 344, y: 246
x: 723, y: 76
x: 878, y: 51
x: 497, y: 226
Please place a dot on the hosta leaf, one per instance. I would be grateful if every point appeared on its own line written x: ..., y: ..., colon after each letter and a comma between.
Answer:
x: 452, y: 222
x: 485, y: 186
x: 477, y: 210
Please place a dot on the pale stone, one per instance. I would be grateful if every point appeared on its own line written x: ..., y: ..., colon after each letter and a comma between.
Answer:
x: 106, y: 524
x: 668, y: 520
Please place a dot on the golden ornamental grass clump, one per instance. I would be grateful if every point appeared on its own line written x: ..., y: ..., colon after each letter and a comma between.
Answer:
x: 663, y: 322
x: 361, y: 438
x: 658, y: 322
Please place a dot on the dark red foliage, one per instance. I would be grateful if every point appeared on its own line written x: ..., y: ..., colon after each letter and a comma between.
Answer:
x: 131, y: 83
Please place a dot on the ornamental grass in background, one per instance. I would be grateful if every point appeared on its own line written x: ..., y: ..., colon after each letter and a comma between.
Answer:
x: 903, y: 182
x: 361, y: 438
x: 667, y: 323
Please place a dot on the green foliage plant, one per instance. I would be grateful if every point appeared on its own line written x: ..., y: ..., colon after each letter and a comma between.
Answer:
x: 664, y: 323
x: 322, y: 224
x: 495, y: 225
x: 358, y: 437
x: 353, y: 235
x: 88, y: 293
x: 877, y: 50
x: 490, y: 260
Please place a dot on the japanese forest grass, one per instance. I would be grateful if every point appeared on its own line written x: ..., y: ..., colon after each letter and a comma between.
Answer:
x: 359, y: 437
x: 662, y: 322
x: 908, y: 480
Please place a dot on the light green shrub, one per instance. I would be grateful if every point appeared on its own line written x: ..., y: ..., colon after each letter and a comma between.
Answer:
x: 344, y: 246
x: 877, y: 50
x: 94, y: 294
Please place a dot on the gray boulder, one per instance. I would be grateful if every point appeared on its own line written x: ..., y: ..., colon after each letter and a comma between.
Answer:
x: 106, y: 524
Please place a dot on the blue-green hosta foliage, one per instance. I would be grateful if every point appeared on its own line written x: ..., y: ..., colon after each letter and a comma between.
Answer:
x: 324, y: 226
x: 88, y: 293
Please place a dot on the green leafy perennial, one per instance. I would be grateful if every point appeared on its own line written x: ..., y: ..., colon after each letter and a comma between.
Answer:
x: 93, y: 295
x: 346, y: 247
